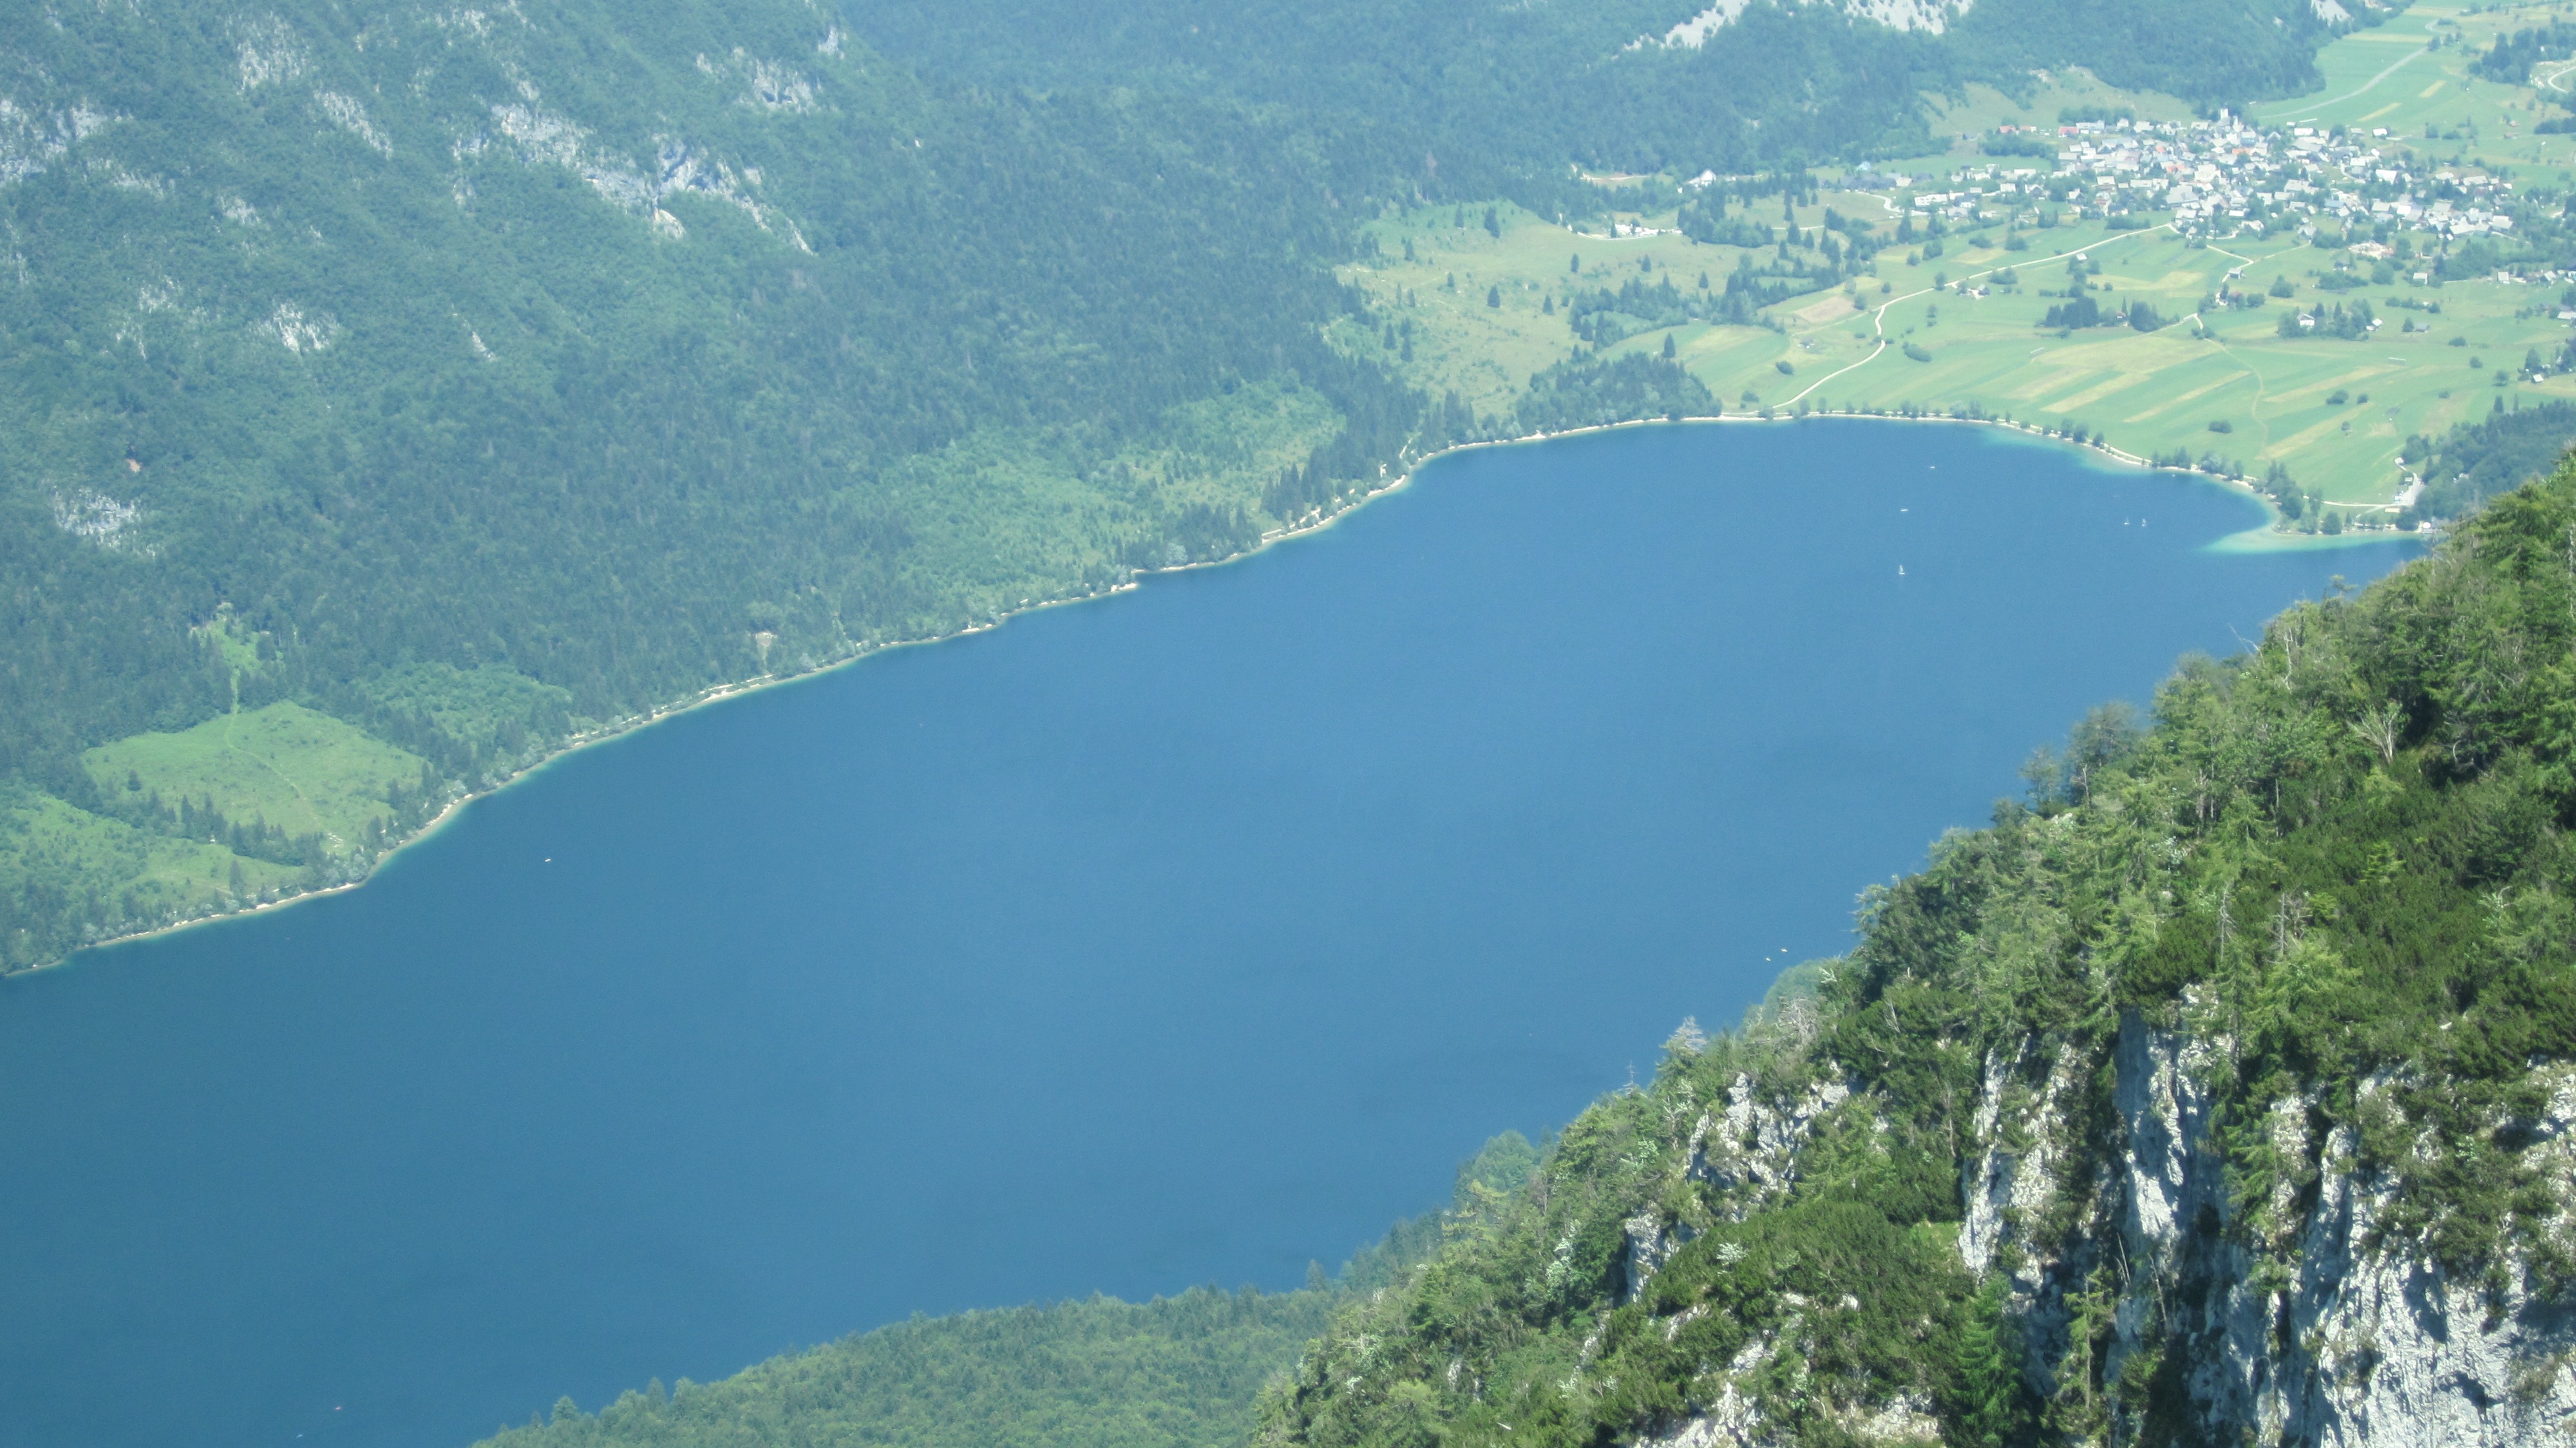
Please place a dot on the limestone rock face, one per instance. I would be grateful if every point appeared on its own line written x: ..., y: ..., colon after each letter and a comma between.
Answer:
x: 2318, y: 1329
x: 1934, y: 16
x: 1746, y: 1152
x: 2360, y: 1342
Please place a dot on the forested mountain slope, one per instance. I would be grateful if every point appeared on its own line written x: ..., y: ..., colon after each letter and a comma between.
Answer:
x: 2222, y: 1094
x: 465, y: 374
x: 1095, y: 1374
x: 399, y: 391
x: 1485, y: 97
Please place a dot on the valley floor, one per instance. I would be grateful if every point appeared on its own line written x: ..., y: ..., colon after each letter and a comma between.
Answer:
x: 1953, y: 316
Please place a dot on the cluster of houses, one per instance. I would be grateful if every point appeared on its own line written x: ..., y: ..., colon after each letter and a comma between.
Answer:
x: 2218, y: 179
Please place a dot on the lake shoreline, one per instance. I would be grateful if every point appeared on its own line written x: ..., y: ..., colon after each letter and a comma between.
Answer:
x: 656, y: 1106
x: 2252, y: 540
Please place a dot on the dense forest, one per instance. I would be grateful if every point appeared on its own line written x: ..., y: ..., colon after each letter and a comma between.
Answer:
x: 1095, y: 1374
x: 2478, y: 460
x: 542, y: 368
x: 1496, y: 98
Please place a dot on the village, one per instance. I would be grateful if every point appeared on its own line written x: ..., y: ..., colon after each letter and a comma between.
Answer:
x: 2218, y: 179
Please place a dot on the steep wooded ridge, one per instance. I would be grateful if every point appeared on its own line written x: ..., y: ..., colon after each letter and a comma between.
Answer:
x: 1094, y: 1374
x: 1494, y: 99
x: 400, y: 391
x: 2221, y: 1094
x: 429, y: 384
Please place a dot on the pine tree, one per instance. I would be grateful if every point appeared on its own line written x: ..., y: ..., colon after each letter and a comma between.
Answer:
x: 1987, y: 1407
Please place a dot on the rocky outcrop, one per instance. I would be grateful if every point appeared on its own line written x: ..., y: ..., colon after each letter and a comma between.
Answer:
x: 1746, y: 1153
x: 1934, y: 16
x: 2322, y: 1329
x: 2330, y: 1333
x: 1731, y: 1422
x: 1734, y: 1421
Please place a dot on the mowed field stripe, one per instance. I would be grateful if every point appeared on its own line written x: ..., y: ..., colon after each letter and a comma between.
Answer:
x: 2307, y: 435
x: 2310, y: 392
x: 2203, y: 390
x: 2120, y: 382
x: 2054, y: 379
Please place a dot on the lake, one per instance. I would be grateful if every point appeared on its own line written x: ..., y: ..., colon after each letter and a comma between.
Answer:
x: 1178, y: 937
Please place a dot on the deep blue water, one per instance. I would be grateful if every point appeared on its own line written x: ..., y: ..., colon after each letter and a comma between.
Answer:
x: 1179, y: 937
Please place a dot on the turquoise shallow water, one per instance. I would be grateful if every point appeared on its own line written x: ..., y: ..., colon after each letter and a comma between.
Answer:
x: 1183, y: 936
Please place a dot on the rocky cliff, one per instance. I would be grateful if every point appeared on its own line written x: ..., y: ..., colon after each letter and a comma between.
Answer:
x: 2342, y: 1332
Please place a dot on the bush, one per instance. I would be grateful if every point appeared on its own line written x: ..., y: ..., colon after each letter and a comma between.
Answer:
x: 2081, y: 312
x: 2018, y: 144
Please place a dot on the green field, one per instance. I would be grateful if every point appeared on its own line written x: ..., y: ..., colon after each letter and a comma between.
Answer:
x: 2158, y: 392
x: 1484, y: 353
x: 2142, y: 393
x: 305, y: 773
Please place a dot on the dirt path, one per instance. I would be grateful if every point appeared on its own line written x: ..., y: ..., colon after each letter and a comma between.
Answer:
x: 1878, y: 318
x: 288, y: 779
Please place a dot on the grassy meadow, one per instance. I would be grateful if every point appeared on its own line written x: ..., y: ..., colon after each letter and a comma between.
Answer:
x: 302, y: 771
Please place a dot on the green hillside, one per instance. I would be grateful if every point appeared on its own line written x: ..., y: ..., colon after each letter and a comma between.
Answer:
x: 481, y: 379
x: 1497, y: 98
x: 488, y: 380
x: 1177, y: 1372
